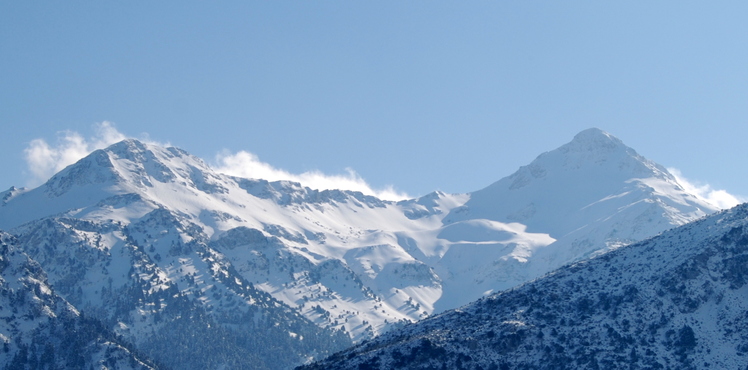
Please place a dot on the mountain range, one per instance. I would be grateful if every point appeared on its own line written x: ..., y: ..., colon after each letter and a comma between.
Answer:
x: 200, y: 269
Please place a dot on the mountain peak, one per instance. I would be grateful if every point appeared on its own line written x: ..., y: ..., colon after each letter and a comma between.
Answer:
x: 127, y: 147
x: 594, y: 140
x: 596, y: 152
x: 138, y: 151
x: 594, y: 133
x: 128, y: 143
x: 593, y: 155
x: 578, y: 186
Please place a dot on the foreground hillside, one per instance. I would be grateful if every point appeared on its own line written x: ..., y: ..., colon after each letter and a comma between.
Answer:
x: 676, y: 301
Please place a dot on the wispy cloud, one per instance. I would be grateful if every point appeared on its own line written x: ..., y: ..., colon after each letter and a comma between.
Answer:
x: 246, y: 164
x: 717, y: 197
x: 44, y: 160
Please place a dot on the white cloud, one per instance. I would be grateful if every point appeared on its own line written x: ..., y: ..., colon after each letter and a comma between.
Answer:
x: 719, y: 198
x: 44, y: 160
x: 248, y: 165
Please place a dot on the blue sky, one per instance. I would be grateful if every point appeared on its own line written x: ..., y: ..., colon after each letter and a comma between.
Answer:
x: 420, y: 96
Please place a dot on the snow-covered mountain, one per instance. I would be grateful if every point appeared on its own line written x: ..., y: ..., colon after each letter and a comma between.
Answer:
x: 143, y: 237
x: 675, y: 301
x: 40, y: 330
x: 590, y: 195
